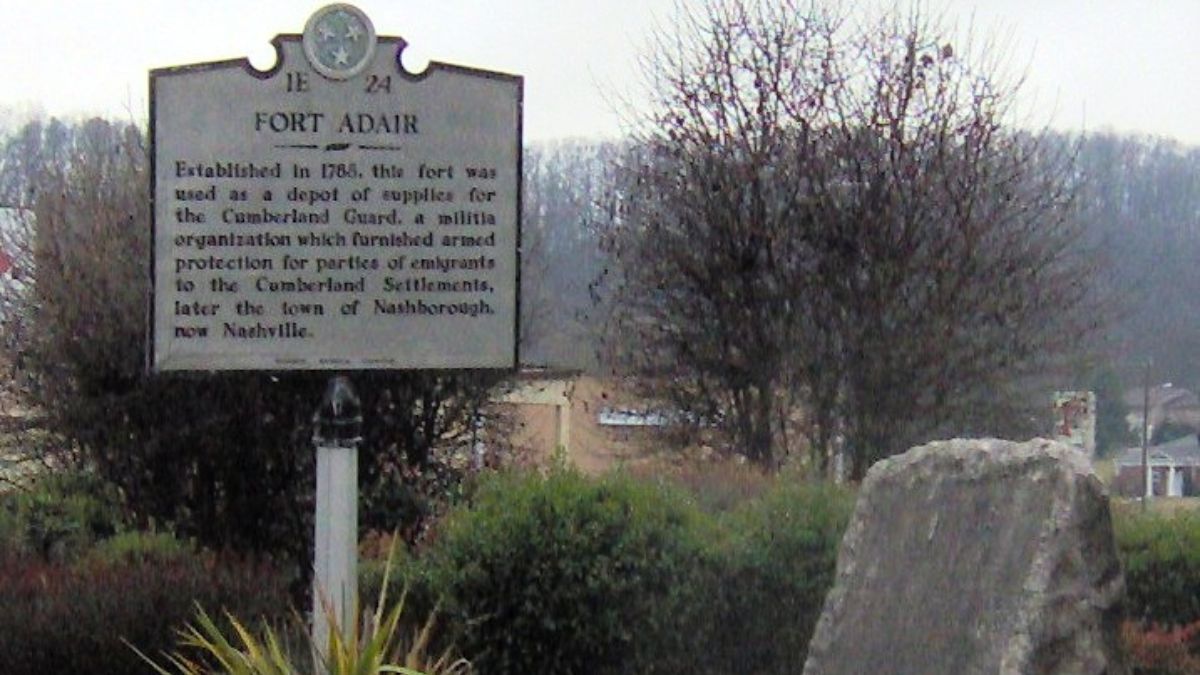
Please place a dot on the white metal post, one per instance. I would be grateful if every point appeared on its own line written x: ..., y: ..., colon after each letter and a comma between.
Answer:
x: 337, y: 429
x: 335, y: 559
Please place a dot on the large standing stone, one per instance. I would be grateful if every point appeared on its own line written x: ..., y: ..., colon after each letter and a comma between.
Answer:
x: 975, y: 556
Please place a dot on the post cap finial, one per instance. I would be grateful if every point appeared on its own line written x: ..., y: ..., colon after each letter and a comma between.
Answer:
x: 338, y: 420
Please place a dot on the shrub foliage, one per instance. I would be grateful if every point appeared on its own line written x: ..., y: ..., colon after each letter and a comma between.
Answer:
x: 59, y: 516
x: 768, y: 579
x: 562, y: 575
x: 58, y: 618
x: 1161, y: 555
x: 566, y: 574
x: 1154, y: 650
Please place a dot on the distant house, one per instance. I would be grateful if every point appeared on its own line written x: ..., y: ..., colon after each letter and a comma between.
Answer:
x: 1169, y: 404
x: 596, y: 423
x: 1174, y: 469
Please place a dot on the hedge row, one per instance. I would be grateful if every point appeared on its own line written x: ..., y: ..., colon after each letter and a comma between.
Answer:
x: 136, y: 589
x: 1161, y: 556
x: 565, y: 574
x: 547, y: 574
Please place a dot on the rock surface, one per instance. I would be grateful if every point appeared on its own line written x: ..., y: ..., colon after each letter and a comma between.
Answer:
x: 975, y: 556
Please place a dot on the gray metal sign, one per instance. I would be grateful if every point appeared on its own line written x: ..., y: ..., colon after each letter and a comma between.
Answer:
x: 336, y: 212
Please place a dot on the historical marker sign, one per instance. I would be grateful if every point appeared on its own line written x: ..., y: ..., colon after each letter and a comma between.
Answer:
x: 336, y: 212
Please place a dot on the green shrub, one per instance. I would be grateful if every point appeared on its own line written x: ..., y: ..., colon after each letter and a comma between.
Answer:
x: 1161, y: 557
x: 564, y: 574
x: 136, y: 547
x: 58, y: 618
x: 567, y: 574
x: 60, y: 515
x: 409, y: 577
x: 768, y: 578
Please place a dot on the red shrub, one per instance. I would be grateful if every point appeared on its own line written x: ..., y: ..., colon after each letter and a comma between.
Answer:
x: 62, y: 619
x: 1154, y: 650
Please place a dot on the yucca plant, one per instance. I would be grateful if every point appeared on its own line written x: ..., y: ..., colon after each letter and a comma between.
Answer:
x: 372, y: 646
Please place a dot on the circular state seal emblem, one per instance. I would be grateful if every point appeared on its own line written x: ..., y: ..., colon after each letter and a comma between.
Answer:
x: 339, y: 41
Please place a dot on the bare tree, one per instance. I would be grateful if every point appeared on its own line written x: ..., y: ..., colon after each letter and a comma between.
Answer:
x: 836, y: 218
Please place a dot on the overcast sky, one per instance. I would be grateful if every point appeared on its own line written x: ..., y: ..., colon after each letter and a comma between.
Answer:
x: 1126, y: 65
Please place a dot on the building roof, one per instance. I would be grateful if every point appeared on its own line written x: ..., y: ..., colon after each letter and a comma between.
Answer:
x: 1161, y: 396
x: 1180, y: 452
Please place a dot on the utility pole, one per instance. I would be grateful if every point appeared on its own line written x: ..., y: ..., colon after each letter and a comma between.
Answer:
x: 1147, y: 481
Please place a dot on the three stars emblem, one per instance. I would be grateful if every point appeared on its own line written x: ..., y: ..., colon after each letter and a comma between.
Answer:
x: 339, y: 41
